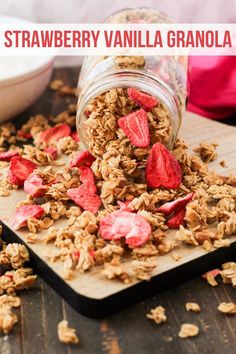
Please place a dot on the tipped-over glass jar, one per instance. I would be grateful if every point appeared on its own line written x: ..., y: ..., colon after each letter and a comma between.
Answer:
x: 111, y: 87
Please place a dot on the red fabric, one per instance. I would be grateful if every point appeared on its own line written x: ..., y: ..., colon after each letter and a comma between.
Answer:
x: 213, y: 86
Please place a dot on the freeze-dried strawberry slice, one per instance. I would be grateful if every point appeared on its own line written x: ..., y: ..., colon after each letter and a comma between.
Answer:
x: 88, y: 201
x: 135, y: 127
x: 170, y: 207
x: 133, y: 227
x: 76, y: 254
x: 142, y: 99
x: 23, y: 213
x: 83, y: 158
x: 162, y: 169
x: 21, y: 134
x: 211, y: 273
x: 75, y: 136
x: 85, y: 188
x: 34, y: 186
x: 177, y: 219
x: 53, y: 134
x: 19, y: 170
x: 124, y: 206
x: 7, y: 155
x: 52, y: 152
x: 86, y: 175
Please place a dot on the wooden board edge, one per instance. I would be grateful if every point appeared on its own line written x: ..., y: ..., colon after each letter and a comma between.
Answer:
x: 101, y: 308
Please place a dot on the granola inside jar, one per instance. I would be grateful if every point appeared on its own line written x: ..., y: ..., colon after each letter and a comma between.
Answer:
x: 112, y: 87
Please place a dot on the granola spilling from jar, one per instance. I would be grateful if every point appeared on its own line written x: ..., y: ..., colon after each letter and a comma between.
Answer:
x: 127, y: 201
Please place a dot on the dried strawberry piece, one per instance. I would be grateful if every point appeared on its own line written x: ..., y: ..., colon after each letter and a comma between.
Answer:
x: 83, y: 158
x: 87, y: 187
x: 75, y: 136
x: 212, y: 273
x: 23, y: 213
x: 52, y: 152
x: 87, y: 113
x: 135, y: 127
x: 7, y: 155
x: 133, y: 227
x: 76, y: 254
x: 34, y: 186
x: 162, y: 169
x: 86, y: 175
x: 169, y: 207
x: 177, y: 219
x: 53, y: 134
x: 21, y: 134
x: 144, y: 100
x: 89, y: 201
x: 124, y: 206
x: 19, y: 170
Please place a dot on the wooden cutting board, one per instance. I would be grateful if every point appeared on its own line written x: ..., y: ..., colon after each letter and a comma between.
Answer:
x: 93, y: 295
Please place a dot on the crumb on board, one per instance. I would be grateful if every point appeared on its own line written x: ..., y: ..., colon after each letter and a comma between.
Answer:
x: 223, y: 163
x: 210, y: 276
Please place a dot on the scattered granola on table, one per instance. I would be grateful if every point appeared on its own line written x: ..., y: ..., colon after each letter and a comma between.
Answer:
x: 157, y: 315
x: 228, y: 273
x: 66, y: 334
x: 207, y: 151
x: 188, y: 330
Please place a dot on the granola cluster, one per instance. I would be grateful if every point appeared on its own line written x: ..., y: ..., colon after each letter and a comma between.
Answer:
x: 14, y: 276
x: 66, y: 334
x: 227, y: 273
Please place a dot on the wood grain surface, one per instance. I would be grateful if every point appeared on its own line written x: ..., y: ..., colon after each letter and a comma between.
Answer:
x: 127, y: 331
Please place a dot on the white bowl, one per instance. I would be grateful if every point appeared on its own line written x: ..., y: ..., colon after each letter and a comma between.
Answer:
x: 22, y: 79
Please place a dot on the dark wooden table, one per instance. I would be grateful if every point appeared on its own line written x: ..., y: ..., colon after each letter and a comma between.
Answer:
x: 128, y: 331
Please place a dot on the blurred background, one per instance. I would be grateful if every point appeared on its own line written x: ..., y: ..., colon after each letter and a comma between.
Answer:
x: 85, y: 11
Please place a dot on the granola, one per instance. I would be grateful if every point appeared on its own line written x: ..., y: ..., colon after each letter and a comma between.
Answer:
x: 66, y: 334
x: 7, y: 319
x: 157, y: 315
x: 192, y: 306
x: 188, y: 330
x: 229, y: 308
x: 228, y: 273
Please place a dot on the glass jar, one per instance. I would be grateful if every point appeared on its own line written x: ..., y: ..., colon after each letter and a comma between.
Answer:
x: 103, y: 79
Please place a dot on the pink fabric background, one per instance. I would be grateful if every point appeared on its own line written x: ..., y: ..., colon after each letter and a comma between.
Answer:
x: 213, y: 86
